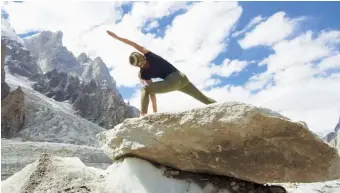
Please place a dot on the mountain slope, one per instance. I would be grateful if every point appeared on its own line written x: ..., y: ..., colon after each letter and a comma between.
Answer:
x: 100, y: 105
x: 52, y: 121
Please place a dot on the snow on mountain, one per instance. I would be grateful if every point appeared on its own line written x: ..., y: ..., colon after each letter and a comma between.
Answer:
x: 18, y: 59
x: 47, y: 47
x: 8, y: 31
x: 52, y: 121
x: 96, y: 69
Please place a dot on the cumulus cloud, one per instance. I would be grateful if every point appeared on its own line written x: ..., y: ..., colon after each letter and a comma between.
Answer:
x: 331, y: 62
x: 70, y: 17
x: 275, y: 28
x: 301, y: 50
x: 256, y: 20
x: 228, y: 67
x: 152, y: 25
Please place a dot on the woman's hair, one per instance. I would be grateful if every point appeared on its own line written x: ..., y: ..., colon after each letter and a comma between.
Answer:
x: 137, y: 59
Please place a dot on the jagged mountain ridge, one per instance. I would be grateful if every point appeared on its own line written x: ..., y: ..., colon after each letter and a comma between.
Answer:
x: 97, y: 104
x: 18, y: 59
x: 48, y: 48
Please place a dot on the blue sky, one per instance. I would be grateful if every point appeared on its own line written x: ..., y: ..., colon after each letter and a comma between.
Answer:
x: 292, y: 51
x: 321, y: 16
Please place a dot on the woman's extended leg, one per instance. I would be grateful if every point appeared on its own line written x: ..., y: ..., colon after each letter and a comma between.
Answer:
x: 191, y: 90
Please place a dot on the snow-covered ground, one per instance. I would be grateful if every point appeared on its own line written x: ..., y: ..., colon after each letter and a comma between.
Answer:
x: 50, y: 120
x: 15, y: 155
x: 132, y: 175
x: 320, y: 187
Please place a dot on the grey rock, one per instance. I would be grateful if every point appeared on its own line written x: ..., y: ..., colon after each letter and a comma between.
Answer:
x: 18, y: 59
x: 98, y: 104
x: 96, y: 70
x: 12, y: 113
x: 83, y: 58
x: 4, y: 90
x: 47, y: 120
x: 47, y: 47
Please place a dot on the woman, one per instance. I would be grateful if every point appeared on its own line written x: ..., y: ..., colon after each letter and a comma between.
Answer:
x: 154, y: 66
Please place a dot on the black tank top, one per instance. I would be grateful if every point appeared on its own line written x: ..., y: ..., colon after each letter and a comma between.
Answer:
x: 158, y: 67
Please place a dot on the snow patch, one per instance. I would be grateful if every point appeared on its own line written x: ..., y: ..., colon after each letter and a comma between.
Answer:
x: 8, y: 31
x: 132, y: 175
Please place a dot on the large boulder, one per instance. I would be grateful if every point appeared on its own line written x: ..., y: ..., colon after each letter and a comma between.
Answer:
x: 230, y: 139
x: 12, y: 113
x: 56, y: 174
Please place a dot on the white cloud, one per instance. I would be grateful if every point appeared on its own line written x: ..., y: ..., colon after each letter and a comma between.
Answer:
x: 300, y: 50
x: 228, y: 67
x: 274, y: 29
x: 70, y: 17
x: 331, y: 62
x: 258, y: 81
x: 152, y: 25
x: 256, y: 20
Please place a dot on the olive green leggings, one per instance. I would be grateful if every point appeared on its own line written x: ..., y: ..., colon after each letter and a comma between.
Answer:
x: 175, y: 81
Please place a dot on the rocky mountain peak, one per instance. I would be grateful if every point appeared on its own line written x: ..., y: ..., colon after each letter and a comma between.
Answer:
x: 83, y: 58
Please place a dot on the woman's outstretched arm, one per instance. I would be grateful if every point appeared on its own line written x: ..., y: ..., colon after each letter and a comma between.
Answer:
x: 131, y: 43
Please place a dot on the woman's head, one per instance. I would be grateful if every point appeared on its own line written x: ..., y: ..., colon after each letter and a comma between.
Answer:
x: 137, y: 59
